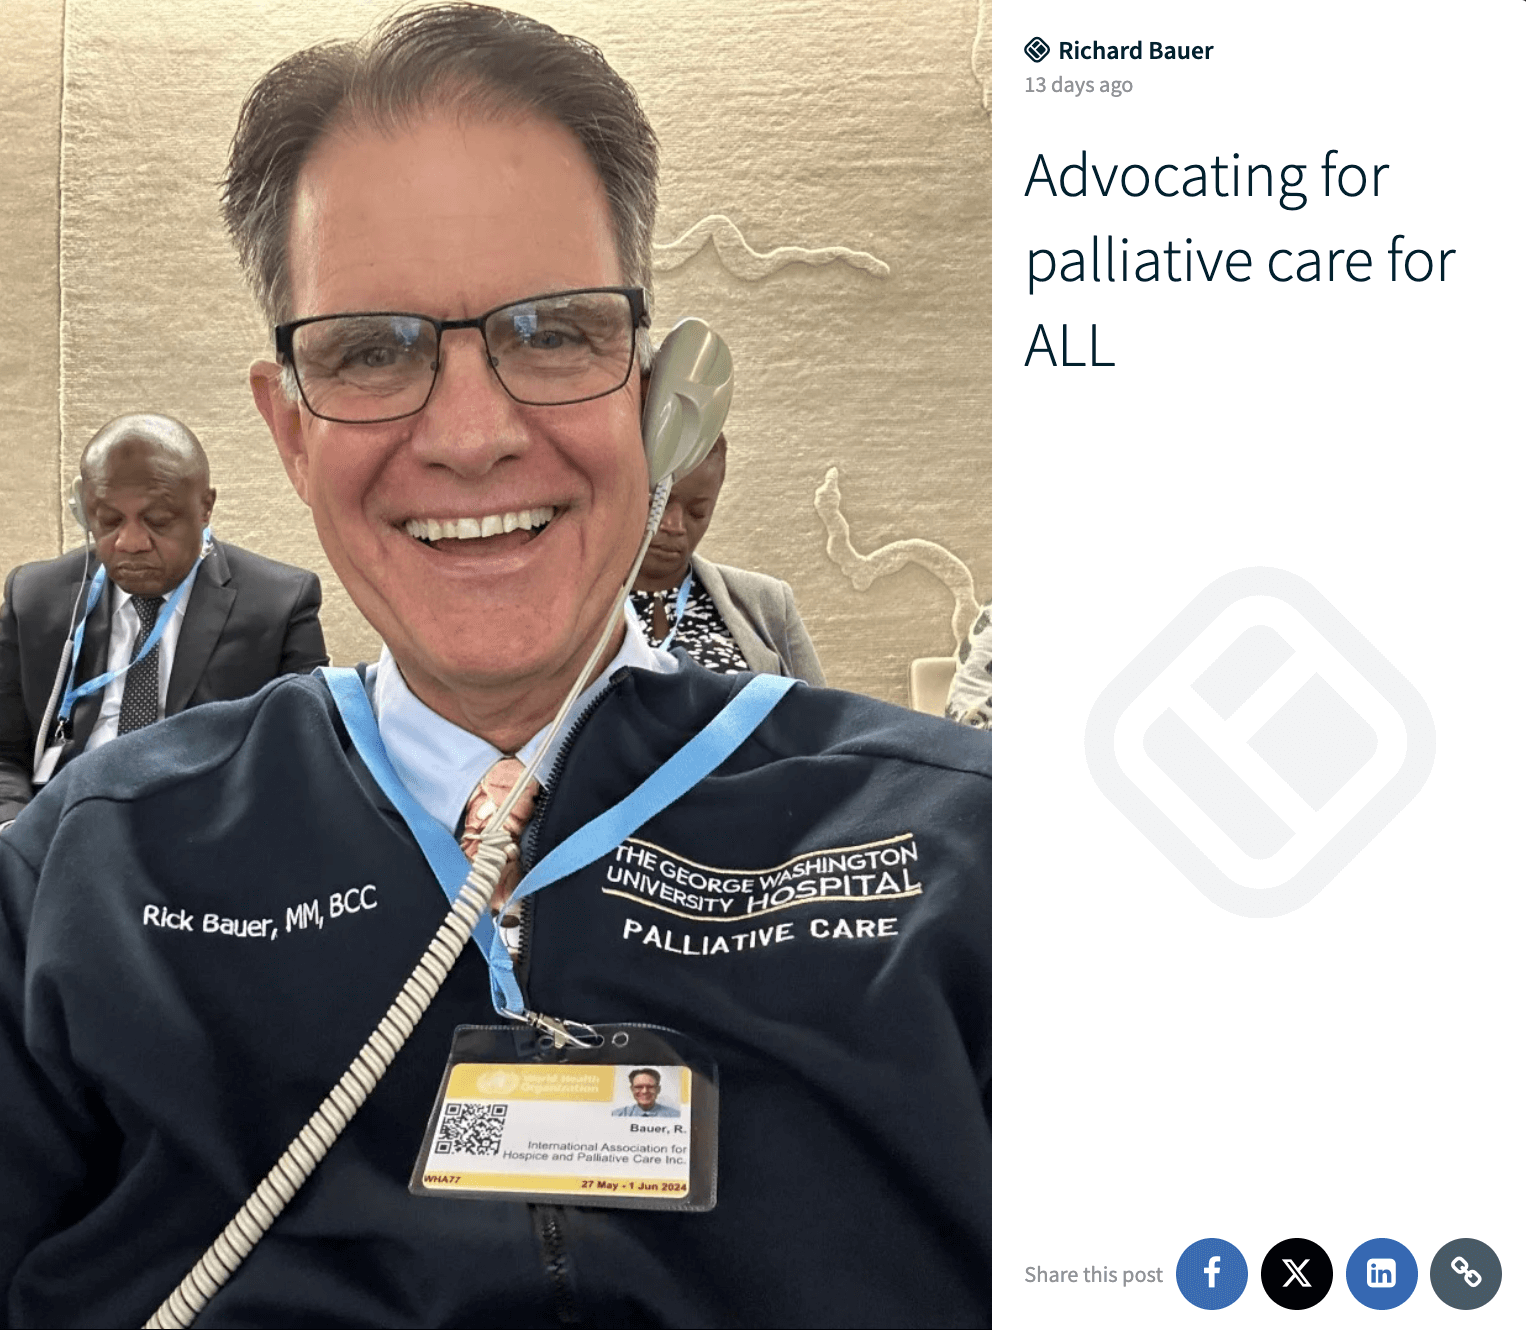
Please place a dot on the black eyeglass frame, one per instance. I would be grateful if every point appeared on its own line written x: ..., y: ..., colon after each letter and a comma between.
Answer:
x: 636, y: 296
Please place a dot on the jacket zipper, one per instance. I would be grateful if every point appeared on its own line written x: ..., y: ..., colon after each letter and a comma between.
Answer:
x: 553, y: 1252
x: 553, y: 777
x: 553, y: 1249
x: 531, y: 833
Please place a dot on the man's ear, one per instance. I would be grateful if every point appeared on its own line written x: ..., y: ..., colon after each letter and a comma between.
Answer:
x: 208, y: 501
x: 283, y: 417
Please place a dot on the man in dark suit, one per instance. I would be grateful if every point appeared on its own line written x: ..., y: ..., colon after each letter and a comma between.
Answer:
x: 178, y: 618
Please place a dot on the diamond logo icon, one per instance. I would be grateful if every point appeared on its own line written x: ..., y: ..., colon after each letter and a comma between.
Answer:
x: 1036, y: 49
x: 1260, y: 741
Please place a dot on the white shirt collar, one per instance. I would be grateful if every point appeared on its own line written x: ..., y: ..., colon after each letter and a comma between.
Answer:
x: 121, y: 601
x: 440, y: 763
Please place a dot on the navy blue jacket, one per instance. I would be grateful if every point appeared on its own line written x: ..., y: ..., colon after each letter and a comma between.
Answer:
x: 172, y: 1014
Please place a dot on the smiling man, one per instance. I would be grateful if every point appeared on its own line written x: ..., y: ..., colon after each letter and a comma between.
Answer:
x: 456, y: 213
x: 646, y: 1085
x: 448, y: 226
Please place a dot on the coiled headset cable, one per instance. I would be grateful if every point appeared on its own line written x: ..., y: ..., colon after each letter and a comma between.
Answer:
x: 302, y: 1157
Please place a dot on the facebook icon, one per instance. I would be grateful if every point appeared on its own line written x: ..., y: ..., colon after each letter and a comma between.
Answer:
x: 1211, y: 1273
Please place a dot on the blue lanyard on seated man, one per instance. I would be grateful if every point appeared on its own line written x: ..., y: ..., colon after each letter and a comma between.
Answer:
x: 101, y: 681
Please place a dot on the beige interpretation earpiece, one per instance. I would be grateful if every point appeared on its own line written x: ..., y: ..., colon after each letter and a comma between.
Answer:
x: 687, y: 398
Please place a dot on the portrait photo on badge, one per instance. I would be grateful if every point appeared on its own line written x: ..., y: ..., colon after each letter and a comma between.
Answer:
x: 651, y: 1092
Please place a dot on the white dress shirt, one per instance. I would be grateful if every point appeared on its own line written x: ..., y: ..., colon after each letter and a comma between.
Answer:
x: 440, y: 763
x: 124, y: 631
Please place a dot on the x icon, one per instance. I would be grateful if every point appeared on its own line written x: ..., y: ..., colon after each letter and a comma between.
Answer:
x: 1297, y: 1271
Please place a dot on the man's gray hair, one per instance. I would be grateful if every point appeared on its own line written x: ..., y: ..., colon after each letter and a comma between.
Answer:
x: 472, y: 58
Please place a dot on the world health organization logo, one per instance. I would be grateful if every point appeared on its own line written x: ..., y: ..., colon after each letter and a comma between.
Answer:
x: 1037, y: 49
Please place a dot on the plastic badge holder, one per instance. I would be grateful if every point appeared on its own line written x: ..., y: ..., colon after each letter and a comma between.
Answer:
x: 519, y: 1119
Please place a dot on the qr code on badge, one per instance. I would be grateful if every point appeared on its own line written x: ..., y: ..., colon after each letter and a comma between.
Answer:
x: 470, y: 1129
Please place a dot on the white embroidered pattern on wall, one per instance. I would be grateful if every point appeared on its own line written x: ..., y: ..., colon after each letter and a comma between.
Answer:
x: 980, y: 52
x: 864, y: 569
x: 743, y: 261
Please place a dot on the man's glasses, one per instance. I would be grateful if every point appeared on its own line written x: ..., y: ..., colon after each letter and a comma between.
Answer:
x: 550, y: 350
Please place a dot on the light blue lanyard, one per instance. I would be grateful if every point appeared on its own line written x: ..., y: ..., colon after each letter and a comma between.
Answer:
x: 670, y: 782
x: 166, y: 611
x: 678, y: 609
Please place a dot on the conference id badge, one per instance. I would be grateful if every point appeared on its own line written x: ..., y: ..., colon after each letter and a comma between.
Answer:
x: 628, y: 1123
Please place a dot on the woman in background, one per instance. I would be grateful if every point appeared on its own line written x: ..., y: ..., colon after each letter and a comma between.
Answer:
x: 728, y: 619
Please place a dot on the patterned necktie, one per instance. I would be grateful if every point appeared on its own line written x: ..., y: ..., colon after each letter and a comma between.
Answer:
x: 140, y: 693
x: 491, y: 790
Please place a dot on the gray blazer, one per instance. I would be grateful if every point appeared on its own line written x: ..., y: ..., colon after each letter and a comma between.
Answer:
x: 759, y: 612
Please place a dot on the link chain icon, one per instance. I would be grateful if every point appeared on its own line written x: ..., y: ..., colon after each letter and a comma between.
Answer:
x: 1260, y: 741
x: 1465, y: 1273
